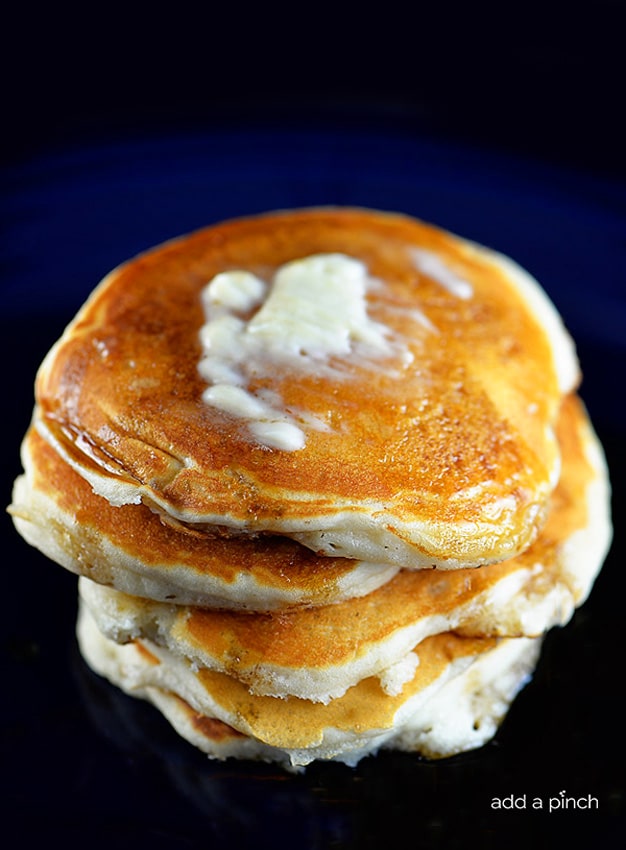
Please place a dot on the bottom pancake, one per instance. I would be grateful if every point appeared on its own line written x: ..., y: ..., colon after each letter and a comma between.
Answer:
x: 459, y: 693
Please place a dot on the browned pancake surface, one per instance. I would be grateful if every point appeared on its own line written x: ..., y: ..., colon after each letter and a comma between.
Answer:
x: 317, y: 652
x: 275, y: 562
x: 462, y: 432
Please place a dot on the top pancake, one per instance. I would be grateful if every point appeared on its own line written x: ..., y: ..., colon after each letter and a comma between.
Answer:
x: 392, y: 398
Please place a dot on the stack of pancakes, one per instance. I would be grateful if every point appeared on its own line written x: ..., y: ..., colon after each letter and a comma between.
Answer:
x: 326, y: 481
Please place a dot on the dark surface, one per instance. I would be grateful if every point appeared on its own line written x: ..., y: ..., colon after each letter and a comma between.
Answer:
x: 514, y: 143
x: 540, y: 78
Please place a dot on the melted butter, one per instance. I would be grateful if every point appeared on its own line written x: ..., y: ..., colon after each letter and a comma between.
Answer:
x: 431, y: 265
x: 315, y: 309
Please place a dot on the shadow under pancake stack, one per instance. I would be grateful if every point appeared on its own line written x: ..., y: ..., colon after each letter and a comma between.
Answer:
x: 326, y: 482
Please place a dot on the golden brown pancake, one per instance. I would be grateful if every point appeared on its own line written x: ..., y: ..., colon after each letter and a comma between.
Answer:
x: 459, y: 693
x: 254, y: 442
x: 317, y: 654
x: 367, y: 384
x: 133, y: 550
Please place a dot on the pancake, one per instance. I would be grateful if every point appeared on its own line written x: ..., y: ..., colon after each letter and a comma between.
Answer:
x: 364, y: 383
x: 459, y: 694
x: 133, y: 550
x: 319, y: 653
x: 129, y: 548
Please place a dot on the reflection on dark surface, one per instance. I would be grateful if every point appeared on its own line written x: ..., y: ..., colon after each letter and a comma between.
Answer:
x: 234, y: 799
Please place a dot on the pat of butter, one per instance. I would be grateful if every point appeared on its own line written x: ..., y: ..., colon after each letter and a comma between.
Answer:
x: 315, y: 309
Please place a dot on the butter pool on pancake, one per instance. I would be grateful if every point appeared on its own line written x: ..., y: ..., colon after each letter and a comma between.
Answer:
x: 314, y: 310
x: 455, y: 700
x: 318, y: 654
x: 132, y: 549
x: 367, y: 384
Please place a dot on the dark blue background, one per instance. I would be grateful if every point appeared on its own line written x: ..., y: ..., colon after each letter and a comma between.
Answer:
x: 121, y: 132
